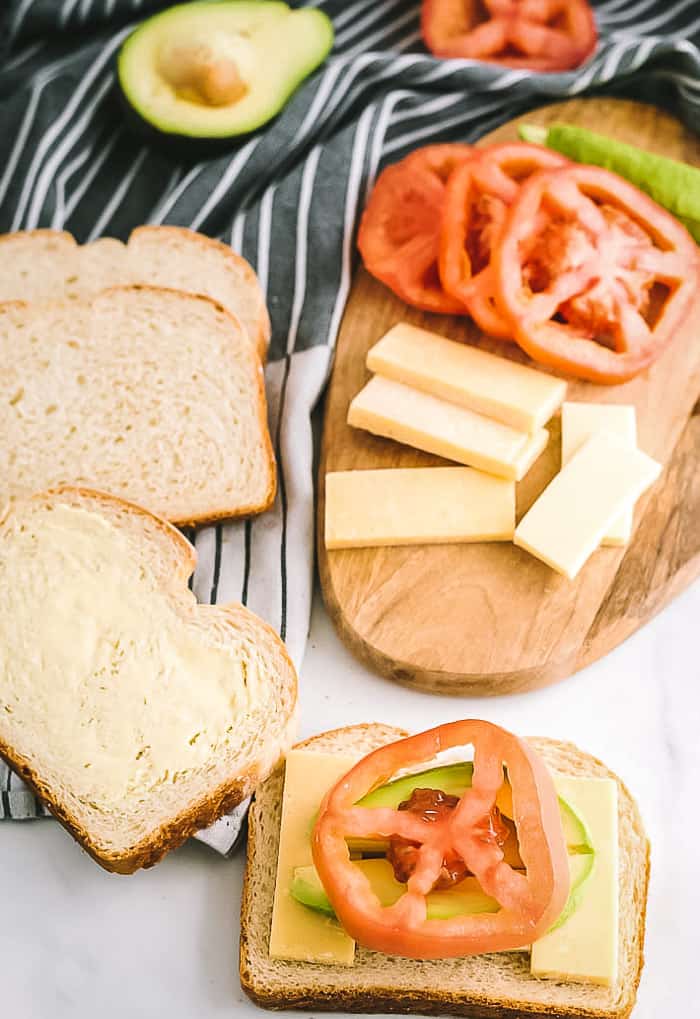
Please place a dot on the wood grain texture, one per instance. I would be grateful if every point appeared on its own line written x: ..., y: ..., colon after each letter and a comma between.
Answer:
x: 489, y: 618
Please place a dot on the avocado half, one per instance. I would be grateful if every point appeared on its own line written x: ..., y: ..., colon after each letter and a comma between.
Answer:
x: 210, y: 71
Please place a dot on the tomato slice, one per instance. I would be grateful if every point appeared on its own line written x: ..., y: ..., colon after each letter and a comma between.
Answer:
x: 479, y: 194
x: 440, y: 160
x: 399, y: 232
x: 594, y: 276
x: 530, y: 902
x: 537, y: 35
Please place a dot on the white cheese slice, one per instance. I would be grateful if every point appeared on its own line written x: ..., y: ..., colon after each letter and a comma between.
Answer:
x: 602, y: 480
x: 581, y: 420
x: 396, y: 411
x: 495, y: 386
x: 420, y: 505
x: 585, y: 947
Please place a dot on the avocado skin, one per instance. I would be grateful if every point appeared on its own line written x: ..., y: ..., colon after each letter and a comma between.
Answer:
x: 186, y: 144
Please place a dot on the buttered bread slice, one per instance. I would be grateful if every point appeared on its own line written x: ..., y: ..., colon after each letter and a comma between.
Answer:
x: 153, y: 395
x: 137, y: 715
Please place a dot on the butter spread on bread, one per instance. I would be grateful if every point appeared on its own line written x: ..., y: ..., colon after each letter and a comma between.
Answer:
x: 138, y: 715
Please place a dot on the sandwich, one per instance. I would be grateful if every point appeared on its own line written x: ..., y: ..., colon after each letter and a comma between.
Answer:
x: 463, y: 870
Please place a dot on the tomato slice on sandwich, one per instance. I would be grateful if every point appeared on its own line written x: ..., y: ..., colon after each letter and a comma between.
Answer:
x: 479, y: 194
x: 399, y: 232
x: 593, y: 275
x: 448, y: 840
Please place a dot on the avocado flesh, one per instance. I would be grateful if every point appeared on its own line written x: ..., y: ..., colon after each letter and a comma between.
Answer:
x: 466, y: 898
x: 580, y: 869
x: 454, y: 779
x: 271, y: 47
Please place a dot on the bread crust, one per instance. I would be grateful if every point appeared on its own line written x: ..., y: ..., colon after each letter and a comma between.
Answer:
x: 203, y: 812
x: 372, y: 999
x: 261, y: 338
x: 250, y: 509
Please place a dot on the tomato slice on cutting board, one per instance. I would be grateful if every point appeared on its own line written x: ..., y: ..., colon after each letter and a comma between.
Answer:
x: 399, y: 233
x: 479, y: 193
x: 529, y: 902
x: 537, y: 35
x: 440, y: 160
x: 594, y: 276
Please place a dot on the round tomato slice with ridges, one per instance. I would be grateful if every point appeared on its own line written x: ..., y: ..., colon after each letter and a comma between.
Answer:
x: 536, y: 35
x: 479, y: 194
x: 400, y: 227
x: 530, y: 902
x: 594, y: 276
x: 440, y: 159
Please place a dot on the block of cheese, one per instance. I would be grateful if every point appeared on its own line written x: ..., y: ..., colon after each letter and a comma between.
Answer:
x: 414, y: 506
x: 396, y: 411
x: 495, y: 386
x: 585, y: 947
x: 533, y: 448
x: 297, y: 932
x: 575, y: 511
x: 578, y: 422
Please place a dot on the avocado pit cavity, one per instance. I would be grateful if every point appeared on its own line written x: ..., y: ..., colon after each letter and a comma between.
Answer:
x: 201, y: 72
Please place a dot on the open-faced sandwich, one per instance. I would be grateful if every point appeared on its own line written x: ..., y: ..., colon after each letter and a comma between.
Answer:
x: 463, y: 870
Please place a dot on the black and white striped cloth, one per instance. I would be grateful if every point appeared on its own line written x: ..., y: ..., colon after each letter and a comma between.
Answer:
x: 286, y: 198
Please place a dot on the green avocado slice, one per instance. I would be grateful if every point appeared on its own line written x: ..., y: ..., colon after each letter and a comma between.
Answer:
x: 452, y: 779
x: 213, y: 70
x: 467, y: 897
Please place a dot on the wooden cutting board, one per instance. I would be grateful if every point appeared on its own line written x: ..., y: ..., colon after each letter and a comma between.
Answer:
x: 489, y: 618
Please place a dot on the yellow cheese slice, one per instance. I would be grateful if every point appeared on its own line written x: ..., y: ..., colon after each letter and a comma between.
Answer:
x: 421, y: 505
x: 575, y: 511
x: 417, y: 419
x: 585, y: 947
x: 533, y: 448
x: 495, y: 386
x: 578, y: 422
x: 297, y: 932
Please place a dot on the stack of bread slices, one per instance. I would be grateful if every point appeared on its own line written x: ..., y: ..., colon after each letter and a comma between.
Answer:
x: 131, y: 399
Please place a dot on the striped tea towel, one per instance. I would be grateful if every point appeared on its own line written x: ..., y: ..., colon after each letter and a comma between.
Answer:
x: 286, y: 198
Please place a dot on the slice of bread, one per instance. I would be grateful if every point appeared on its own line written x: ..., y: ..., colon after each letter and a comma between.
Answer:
x: 150, y: 394
x: 135, y: 714
x: 498, y: 985
x: 40, y: 265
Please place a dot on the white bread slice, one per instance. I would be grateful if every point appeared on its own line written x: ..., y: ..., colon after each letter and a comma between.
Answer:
x: 497, y: 985
x: 39, y: 265
x: 137, y: 715
x: 150, y: 394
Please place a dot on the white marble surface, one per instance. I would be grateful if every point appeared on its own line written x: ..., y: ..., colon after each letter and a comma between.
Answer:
x: 76, y: 942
